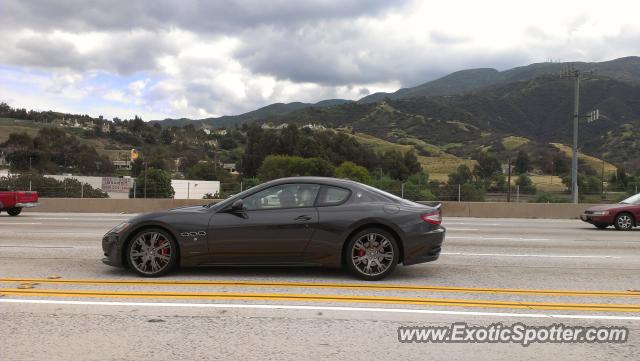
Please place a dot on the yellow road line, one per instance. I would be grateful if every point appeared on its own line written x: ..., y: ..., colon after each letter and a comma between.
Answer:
x: 375, y: 287
x: 330, y: 298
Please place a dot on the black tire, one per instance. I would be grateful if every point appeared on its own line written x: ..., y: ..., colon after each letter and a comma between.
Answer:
x: 379, y: 252
x: 14, y: 211
x: 601, y: 226
x: 137, y: 263
x: 624, y: 221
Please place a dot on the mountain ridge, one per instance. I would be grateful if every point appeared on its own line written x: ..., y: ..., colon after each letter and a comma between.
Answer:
x: 626, y: 69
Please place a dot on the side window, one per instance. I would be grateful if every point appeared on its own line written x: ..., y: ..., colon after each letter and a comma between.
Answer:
x: 283, y: 196
x: 330, y: 196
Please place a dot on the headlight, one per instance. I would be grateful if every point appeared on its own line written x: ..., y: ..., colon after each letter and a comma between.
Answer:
x: 119, y: 228
x: 600, y: 213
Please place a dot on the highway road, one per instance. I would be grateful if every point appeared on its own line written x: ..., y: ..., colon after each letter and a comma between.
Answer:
x: 59, y: 302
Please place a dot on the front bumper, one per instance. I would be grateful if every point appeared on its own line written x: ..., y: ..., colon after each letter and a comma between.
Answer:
x: 593, y: 219
x: 112, y: 250
x: 424, y: 248
x: 27, y: 205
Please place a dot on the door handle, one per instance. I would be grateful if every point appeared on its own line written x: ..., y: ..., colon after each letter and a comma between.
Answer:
x: 302, y: 218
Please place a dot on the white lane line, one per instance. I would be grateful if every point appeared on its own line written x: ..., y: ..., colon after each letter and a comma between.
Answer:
x: 19, y: 223
x: 54, y: 232
x: 461, y: 229
x: 499, y: 238
x: 524, y: 255
x: 322, y: 308
x: 101, y: 219
x: 445, y: 223
x: 32, y: 246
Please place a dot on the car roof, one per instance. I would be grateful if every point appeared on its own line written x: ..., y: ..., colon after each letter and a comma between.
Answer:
x: 321, y: 180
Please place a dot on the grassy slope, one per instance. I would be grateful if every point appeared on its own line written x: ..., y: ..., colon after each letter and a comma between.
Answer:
x: 438, y: 166
x: 103, y: 146
x: 593, y: 162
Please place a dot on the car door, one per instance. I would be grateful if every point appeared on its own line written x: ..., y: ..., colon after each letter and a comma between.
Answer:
x: 275, y: 226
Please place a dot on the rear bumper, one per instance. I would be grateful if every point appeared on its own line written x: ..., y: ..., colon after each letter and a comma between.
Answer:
x: 27, y: 205
x: 423, y: 248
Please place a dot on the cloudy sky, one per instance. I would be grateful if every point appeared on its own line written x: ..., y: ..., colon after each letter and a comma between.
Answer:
x: 190, y: 58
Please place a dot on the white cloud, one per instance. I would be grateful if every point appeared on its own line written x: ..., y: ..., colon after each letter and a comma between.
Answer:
x: 207, y: 59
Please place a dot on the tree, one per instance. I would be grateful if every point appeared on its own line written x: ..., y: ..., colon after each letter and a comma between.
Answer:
x: 153, y: 183
x: 393, y: 164
x: 487, y: 169
x: 203, y: 171
x: 411, y: 162
x: 462, y: 175
x: 279, y: 166
x: 350, y: 170
x: 471, y: 193
x: 417, y: 188
x: 587, y: 184
x: 227, y: 142
x: 525, y: 184
x: 620, y: 180
x: 523, y: 162
x: 166, y: 137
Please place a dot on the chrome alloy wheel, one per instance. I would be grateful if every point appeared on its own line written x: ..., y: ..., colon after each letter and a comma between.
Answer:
x: 624, y: 221
x: 150, y: 253
x: 372, y: 254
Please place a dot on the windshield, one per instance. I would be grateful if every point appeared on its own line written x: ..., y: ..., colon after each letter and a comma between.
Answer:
x: 632, y: 200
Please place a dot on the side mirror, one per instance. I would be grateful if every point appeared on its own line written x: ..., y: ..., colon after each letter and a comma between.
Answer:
x: 237, y: 206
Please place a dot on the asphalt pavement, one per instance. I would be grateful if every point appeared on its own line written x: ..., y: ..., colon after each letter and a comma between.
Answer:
x: 59, y: 302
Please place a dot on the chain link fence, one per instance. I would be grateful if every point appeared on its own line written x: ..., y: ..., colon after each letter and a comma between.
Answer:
x: 71, y: 188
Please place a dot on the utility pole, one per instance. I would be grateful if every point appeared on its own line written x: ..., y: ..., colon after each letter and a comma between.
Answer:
x: 509, y: 181
x: 602, y: 178
x: 145, y: 180
x: 576, y: 74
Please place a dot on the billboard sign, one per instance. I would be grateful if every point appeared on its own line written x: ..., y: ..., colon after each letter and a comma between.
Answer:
x: 116, y: 184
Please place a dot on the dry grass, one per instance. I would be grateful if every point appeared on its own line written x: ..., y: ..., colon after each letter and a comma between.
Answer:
x: 438, y: 165
x: 548, y: 183
x: 513, y: 142
x: 593, y: 162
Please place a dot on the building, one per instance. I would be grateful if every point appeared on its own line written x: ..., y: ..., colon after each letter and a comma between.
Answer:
x: 230, y: 167
x: 313, y: 126
x: 122, y: 164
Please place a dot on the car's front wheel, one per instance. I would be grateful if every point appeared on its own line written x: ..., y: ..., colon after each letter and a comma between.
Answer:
x: 152, y: 253
x: 14, y: 211
x: 372, y: 254
x: 623, y: 222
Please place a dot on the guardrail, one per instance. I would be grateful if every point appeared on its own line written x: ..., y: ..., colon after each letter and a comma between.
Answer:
x: 450, y: 209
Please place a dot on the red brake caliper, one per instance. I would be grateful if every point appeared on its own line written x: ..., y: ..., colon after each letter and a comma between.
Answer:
x: 361, y: 252
x: 164, y: 251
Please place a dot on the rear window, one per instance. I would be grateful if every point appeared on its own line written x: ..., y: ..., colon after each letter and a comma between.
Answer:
x: 330, y: 196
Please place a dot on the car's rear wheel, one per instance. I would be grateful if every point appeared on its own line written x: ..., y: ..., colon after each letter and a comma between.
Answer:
x: 372, y: 254
x: 14, y: 211
x: 152, y: 253
x: 624, y: 222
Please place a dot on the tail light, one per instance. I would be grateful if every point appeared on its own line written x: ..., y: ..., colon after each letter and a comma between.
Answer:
x: 433, y: 217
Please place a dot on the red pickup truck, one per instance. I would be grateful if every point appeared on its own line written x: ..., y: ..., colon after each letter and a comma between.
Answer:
x: 13, y: 202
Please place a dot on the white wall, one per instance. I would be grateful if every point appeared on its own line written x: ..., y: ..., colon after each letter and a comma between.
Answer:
x: 185, y: 189
x: 194, y: 189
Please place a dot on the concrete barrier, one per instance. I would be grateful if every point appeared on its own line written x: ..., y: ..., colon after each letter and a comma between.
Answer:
x: 450, y: 209
x: 108, y: 205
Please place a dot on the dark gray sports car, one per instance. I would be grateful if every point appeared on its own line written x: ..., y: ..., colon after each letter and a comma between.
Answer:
x: 290, y: 221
